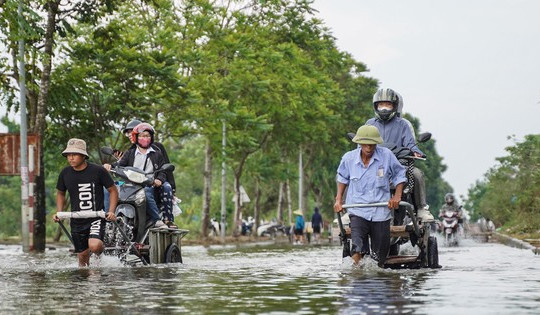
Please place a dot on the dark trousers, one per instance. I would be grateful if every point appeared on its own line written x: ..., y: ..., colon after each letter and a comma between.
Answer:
x: 378, y: 232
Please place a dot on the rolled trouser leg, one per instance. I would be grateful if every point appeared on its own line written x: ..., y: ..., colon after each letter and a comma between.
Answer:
x: 359, y: 235
x: 380, y: 240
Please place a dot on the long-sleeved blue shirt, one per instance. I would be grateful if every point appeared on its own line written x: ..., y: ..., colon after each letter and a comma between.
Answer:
x: 370, y: 184
x: 396, y: 131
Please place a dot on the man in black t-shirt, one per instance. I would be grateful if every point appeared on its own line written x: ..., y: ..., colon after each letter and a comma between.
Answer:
x: 85, y: 182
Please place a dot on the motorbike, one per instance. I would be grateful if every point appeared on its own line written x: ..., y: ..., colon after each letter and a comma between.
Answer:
x: 247, y: 226
x: 129, y: 234
x: 450, y: 227
x: 272, y: 229
x: 405, y: 225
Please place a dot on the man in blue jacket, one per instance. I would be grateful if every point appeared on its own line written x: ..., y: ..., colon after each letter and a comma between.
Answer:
x: 397, y: 130
x: 366, y: 173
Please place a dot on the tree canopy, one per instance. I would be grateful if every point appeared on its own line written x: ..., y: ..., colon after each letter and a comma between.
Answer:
x: 508, y: 194
x: 269, y: 70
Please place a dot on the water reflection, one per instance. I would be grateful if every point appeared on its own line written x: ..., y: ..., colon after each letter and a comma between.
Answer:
x: 484, y: 278
x: 370, y: 289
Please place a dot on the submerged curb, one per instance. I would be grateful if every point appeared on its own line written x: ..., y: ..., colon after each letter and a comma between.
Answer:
x: 514, y: 242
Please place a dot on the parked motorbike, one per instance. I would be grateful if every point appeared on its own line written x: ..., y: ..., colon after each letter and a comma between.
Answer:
x: 247, y: 226
x: 450, y: 227
x: 272, y: 229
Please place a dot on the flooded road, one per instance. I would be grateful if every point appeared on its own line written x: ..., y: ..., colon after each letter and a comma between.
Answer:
x: 476, y: 278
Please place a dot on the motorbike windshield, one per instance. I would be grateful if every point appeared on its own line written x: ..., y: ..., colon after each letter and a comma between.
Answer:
x: 135, y: 177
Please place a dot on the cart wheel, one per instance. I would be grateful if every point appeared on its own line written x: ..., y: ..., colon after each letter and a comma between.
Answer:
x: 394, y: 250
x: 433, y: 253
x: 172, y: 254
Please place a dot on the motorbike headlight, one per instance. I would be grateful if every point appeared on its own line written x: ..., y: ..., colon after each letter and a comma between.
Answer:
x: 135, y: 177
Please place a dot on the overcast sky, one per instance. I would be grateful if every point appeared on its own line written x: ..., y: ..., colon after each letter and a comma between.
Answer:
x: 469, y: 70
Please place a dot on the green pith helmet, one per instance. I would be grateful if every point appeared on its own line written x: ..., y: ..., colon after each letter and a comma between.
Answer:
x: 368, y: 134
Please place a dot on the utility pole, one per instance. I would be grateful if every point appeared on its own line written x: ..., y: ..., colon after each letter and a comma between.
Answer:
x: 24, y: 139
x: 300, y: 182
x: 223, y: 180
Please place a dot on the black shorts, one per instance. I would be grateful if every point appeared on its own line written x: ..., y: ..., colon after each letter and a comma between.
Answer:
x: 298, y: 232
x: 82, y: 230
x: 317, y: 230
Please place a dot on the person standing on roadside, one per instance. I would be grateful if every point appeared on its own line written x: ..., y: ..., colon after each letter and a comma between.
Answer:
x: 299, y: 226
x: 85, y: 183
x: 317, y: 224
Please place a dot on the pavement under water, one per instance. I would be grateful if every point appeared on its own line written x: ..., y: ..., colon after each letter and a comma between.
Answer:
x: 476, y: 278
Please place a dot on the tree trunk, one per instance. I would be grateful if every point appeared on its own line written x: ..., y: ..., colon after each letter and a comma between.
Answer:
x: 237, y: 206
x: 39, y: 126
x: 289, y: 204
x: 257, y: 206
x: 280, y: 203
x: 301, y: 183
x: 207, y: 190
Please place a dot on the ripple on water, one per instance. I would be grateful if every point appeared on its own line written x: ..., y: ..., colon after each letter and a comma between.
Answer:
x: 269, y: 279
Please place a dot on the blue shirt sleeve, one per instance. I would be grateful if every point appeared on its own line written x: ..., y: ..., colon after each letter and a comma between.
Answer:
x: 343, y: 173
x: 408, y: 138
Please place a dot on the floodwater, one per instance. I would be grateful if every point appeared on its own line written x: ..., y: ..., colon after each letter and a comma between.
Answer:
x: 476, y: 278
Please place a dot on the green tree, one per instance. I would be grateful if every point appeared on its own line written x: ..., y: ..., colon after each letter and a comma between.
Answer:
x: 39, y: 25
x: 508, y: 194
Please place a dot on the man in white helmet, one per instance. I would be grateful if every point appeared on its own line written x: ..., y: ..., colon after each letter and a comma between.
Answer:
x: 387, y: 105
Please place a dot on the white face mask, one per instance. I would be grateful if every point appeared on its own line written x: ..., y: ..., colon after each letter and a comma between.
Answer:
x: 381, y: 107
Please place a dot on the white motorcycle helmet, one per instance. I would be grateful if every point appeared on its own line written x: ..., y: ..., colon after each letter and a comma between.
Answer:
x: 385, y: 95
